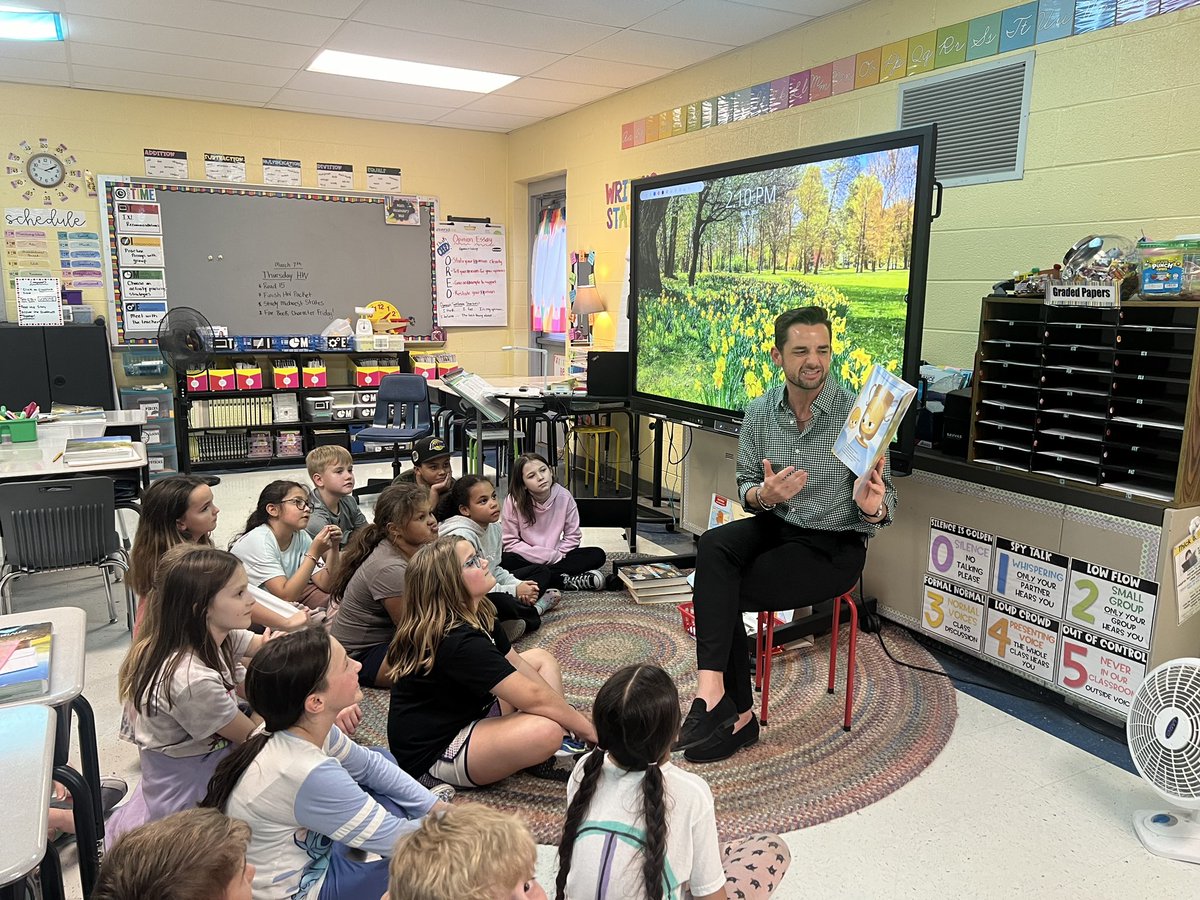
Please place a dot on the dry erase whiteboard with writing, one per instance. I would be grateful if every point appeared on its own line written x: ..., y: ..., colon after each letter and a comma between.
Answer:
x: 472, y: 278
x: 261, y: 260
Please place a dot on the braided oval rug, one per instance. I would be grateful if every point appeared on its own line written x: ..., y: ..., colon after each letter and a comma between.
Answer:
x: 804, y: 770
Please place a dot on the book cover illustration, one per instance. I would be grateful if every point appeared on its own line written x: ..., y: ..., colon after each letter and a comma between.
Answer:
x: 873, y: 421
x: 661, y: 573
x: 25, y: 666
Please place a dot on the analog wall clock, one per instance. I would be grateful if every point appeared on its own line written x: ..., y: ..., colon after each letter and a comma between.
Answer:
x: 45, y: 174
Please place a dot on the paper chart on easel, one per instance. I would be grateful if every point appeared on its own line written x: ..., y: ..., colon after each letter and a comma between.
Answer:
x: 471, y: 274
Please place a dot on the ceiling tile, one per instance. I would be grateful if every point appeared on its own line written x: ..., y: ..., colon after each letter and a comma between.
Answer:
x: 375, y: 116
x: 337, y: 8
x: 114, y: 33
x: 35, y: 51
x: 621, y: 13
x: 633, y: 46
x: 544, y: 89
x: 376, y: 40
x: 336, y: 105
x: 176, y: 64
x: 720, y: 20
x: 33, y: 71
x: 368, y: 89
x: 94, y: 76
x: 521, y: 106
x: 482, y: 22
x: 469, y: 117
x: 598, y: 71
x: 804, y: 7
x: 213, y: 16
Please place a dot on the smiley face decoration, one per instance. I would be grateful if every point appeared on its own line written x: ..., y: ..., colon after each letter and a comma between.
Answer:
x: 45, y: 174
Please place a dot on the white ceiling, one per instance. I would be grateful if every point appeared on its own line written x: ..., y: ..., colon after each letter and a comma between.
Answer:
x: 254, y: 52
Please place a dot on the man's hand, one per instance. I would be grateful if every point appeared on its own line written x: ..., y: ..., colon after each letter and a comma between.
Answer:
x: 780, y: 487
x: 870, y: 497
x: 439, y: 488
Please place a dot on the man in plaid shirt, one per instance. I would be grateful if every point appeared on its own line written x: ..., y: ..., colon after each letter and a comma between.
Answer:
x: 805, y: 543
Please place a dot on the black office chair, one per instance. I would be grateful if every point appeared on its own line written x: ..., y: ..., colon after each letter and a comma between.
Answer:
x: 402, y: 416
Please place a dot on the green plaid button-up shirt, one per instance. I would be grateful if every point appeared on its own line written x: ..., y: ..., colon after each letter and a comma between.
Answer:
x: 826, y: 503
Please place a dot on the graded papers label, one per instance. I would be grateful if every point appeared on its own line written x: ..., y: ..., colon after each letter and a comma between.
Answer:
x: 1112, y: 603
x: 1032, y: 576
x: 953, y: 612
x: 1021, y: 638
x: 1103, y: 670
x: 960, y: 553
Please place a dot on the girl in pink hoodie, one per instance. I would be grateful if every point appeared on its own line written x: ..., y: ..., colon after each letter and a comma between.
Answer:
x: 541, y: 531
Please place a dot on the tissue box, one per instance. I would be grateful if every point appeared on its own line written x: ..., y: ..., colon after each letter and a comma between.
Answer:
x: 249, y: 379
x: 221, y: 380
x: 197, y: 381
x: 285, y: 375
x: 315, y: 375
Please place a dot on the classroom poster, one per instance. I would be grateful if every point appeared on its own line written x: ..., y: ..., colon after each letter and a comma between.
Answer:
x: 1032, y: 576
x: 281, y: 172
x: 140, y: 251
x: 223, y: 167
x: 383, y: 179
x: 960, y: 553
x: 1112, y: 603
x: 143, y: 315
x: 335, y: 176
x: 472, y: 284
x: 1100, y: 669
x: 953, y: 612
x: 37, y: 244
x: 139, y: 218
x: 39, y: 301
x: 1022, y: 638
x: 143, y: 284
x: 165, y: 163
x: 1185, y: 555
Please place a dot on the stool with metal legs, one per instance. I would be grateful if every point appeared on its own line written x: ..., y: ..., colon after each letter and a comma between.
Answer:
x: 592, y: 460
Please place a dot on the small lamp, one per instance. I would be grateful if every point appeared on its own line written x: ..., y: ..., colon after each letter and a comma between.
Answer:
x: 588, y: 302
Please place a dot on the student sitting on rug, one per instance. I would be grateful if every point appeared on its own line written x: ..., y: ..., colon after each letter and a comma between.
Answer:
x: 431, y: 470
x: 310, y: 795
x: 179, y: 681
x: 541, y: 531
x: 478, y: 521
x: 466, y: 708
x: 331, y: 469
x: 637, y: 826
x: 198, y: 854
x: 279, y: 555
x: 369, y: 581
x: 469, y: 852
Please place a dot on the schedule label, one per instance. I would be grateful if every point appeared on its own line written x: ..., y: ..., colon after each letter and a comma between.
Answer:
x: 1097, y: 667
x: 1032, y: 576
x: 1112, y: 603
x: 1021, y: 638
x: 960, y: 553
x: 954, y: 612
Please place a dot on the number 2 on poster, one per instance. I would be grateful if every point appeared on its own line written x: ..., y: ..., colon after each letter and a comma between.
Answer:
x: 1091, y: 595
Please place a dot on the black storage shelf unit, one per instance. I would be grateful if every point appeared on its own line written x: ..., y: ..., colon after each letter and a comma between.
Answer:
x: 1087, y: 395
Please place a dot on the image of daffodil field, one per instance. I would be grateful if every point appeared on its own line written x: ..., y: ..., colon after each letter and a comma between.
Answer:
x: 718, y: 263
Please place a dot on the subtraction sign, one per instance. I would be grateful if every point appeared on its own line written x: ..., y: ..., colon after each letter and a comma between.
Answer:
x: 953, y: 612
x: 1098, y: 668
x: 960, y: 553
x: 1116, y: 604
x: 1032, y: 576
x: 1022, y: 638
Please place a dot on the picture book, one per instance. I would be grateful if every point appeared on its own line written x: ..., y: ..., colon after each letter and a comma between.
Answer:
x: 86, y: 451
x: 24, y: 661
x: 873, y: 422
x: 652, y: 573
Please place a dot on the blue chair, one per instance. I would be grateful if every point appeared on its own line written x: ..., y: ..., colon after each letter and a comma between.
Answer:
x: 402, y: 416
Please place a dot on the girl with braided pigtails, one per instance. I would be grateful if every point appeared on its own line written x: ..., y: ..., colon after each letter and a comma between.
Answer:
x: 637, y: 826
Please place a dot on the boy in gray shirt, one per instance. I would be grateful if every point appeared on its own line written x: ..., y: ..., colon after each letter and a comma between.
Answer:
x: 331, y: 469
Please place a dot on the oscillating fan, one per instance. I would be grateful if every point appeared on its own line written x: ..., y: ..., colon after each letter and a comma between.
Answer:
x: 1163, y: 729
x: 185, y: 339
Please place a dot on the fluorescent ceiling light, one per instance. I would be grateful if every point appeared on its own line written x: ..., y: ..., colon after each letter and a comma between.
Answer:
x: 23, y: 25
x: 381, y: 68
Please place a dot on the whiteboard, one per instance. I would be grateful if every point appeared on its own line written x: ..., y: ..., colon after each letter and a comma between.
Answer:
x: 471, y: 274
x: 269, y: 261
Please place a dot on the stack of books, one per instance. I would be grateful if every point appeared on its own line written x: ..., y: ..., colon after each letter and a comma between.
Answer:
x: 90, y: 451
x: 24, y: 661
x: 656, y: 582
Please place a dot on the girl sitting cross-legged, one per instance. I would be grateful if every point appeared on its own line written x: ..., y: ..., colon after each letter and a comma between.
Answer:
x: 466, y: 708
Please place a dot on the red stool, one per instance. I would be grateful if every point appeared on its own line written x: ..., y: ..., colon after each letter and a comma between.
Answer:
x: 764, y: 652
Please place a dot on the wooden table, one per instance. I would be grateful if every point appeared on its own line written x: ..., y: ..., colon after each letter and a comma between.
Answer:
x: 27, y: 748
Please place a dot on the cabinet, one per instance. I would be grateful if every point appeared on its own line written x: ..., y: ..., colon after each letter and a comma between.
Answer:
x: 264, y: 421
x: 1091, y: 396
x: 56, y: 364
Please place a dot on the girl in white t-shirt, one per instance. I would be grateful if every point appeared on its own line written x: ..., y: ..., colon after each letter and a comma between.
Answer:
x: 279, y: 555
x: 179, y: 681
x: 637, y: 826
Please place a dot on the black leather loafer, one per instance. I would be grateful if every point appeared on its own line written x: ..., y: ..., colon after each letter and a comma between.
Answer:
x: 702, y: 723
x: 725, y: 743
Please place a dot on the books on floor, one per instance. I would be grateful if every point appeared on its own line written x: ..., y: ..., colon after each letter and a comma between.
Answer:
x: 24, y: 661
x: 656, y: 582
x: 88, y: 451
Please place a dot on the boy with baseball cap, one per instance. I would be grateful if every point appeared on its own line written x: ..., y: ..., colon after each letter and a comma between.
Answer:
x: 431, y: 469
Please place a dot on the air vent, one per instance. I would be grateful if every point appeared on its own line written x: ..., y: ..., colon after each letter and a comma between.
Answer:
x: 981, y: 115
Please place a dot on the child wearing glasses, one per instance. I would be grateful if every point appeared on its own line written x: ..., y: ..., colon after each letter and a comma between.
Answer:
x: 279, y: 555
x: 466, y: 708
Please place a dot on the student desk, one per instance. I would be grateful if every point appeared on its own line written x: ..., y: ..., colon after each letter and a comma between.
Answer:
x: 619, y: 512
x: 27, y: 747
x: 37, y: 459
x: 67, y: 659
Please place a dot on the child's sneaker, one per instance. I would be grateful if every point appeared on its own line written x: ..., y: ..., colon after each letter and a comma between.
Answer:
x: 571, y: 747
x: 548, y: 601
x: 549, y: 771
x: 444, y: 792
x: 591, y: 580
x: 513, y: 628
